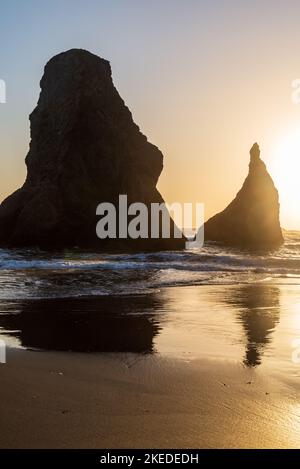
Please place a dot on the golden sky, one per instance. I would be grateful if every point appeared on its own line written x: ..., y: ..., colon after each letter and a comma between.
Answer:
x: 204, y: 81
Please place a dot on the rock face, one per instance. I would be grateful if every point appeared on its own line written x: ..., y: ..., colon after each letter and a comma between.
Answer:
x: 252, y: 218
x: 85, y: 149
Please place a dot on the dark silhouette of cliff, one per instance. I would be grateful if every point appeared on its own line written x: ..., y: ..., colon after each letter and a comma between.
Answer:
x: 252, y: 218
x: 85, y: 149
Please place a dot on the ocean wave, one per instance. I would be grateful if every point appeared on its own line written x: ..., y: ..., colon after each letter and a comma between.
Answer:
x: 34, y: 274
x: 189, y: 262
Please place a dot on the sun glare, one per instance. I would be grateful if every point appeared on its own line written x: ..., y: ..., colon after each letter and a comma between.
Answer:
x: 285, y: 170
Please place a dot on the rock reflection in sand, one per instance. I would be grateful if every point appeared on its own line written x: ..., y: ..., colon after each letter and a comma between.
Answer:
x: 104, y: 324
x: 252, y: 324
x: 257, y: 308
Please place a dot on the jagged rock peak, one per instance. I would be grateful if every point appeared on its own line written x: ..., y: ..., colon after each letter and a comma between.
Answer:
x: 85, y: 149
x: 252, y: 218
x: 254, y: 153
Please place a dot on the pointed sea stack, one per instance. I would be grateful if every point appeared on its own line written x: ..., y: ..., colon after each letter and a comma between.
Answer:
x: 85, y: 149
x: 251, y: 220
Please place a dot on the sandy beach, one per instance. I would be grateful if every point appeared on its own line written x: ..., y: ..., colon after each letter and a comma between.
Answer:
x: 163, y: 397
x: 55, y: 400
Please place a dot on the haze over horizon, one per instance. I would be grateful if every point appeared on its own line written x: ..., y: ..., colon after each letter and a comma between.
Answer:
x: 203, y: 83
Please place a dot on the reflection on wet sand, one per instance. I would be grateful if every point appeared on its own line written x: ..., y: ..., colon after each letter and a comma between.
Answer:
x: 258, y: 310
x: 182, y: 322
x: 195, y: 382
x: 103, y: 324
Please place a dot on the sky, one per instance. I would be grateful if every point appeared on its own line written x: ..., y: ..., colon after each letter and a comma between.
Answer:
x: 203, y: 79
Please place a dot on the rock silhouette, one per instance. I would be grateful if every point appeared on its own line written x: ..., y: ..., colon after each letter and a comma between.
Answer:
x: 85, y: 149
x: 251, y: 220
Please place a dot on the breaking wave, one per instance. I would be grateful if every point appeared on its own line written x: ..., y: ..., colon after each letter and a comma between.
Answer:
x: 34, y: 274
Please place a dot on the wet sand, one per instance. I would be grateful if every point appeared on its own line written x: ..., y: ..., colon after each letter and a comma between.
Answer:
x: 67, y: 400
x: 157, y: 398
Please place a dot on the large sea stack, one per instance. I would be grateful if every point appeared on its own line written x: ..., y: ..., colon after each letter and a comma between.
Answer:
x: 251, y: 220
x: 85, y: 149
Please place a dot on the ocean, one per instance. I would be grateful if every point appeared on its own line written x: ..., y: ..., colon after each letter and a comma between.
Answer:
x: 35, y: 274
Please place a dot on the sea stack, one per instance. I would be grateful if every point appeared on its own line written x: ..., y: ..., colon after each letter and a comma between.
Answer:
x: 251, y: 220
x: 85, y: 149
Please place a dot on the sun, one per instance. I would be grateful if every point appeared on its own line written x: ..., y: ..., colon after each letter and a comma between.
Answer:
x: 285, y: 170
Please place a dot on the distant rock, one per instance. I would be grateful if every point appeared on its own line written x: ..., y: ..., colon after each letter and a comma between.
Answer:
x: 85, y: 149
x: 251, y: 220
